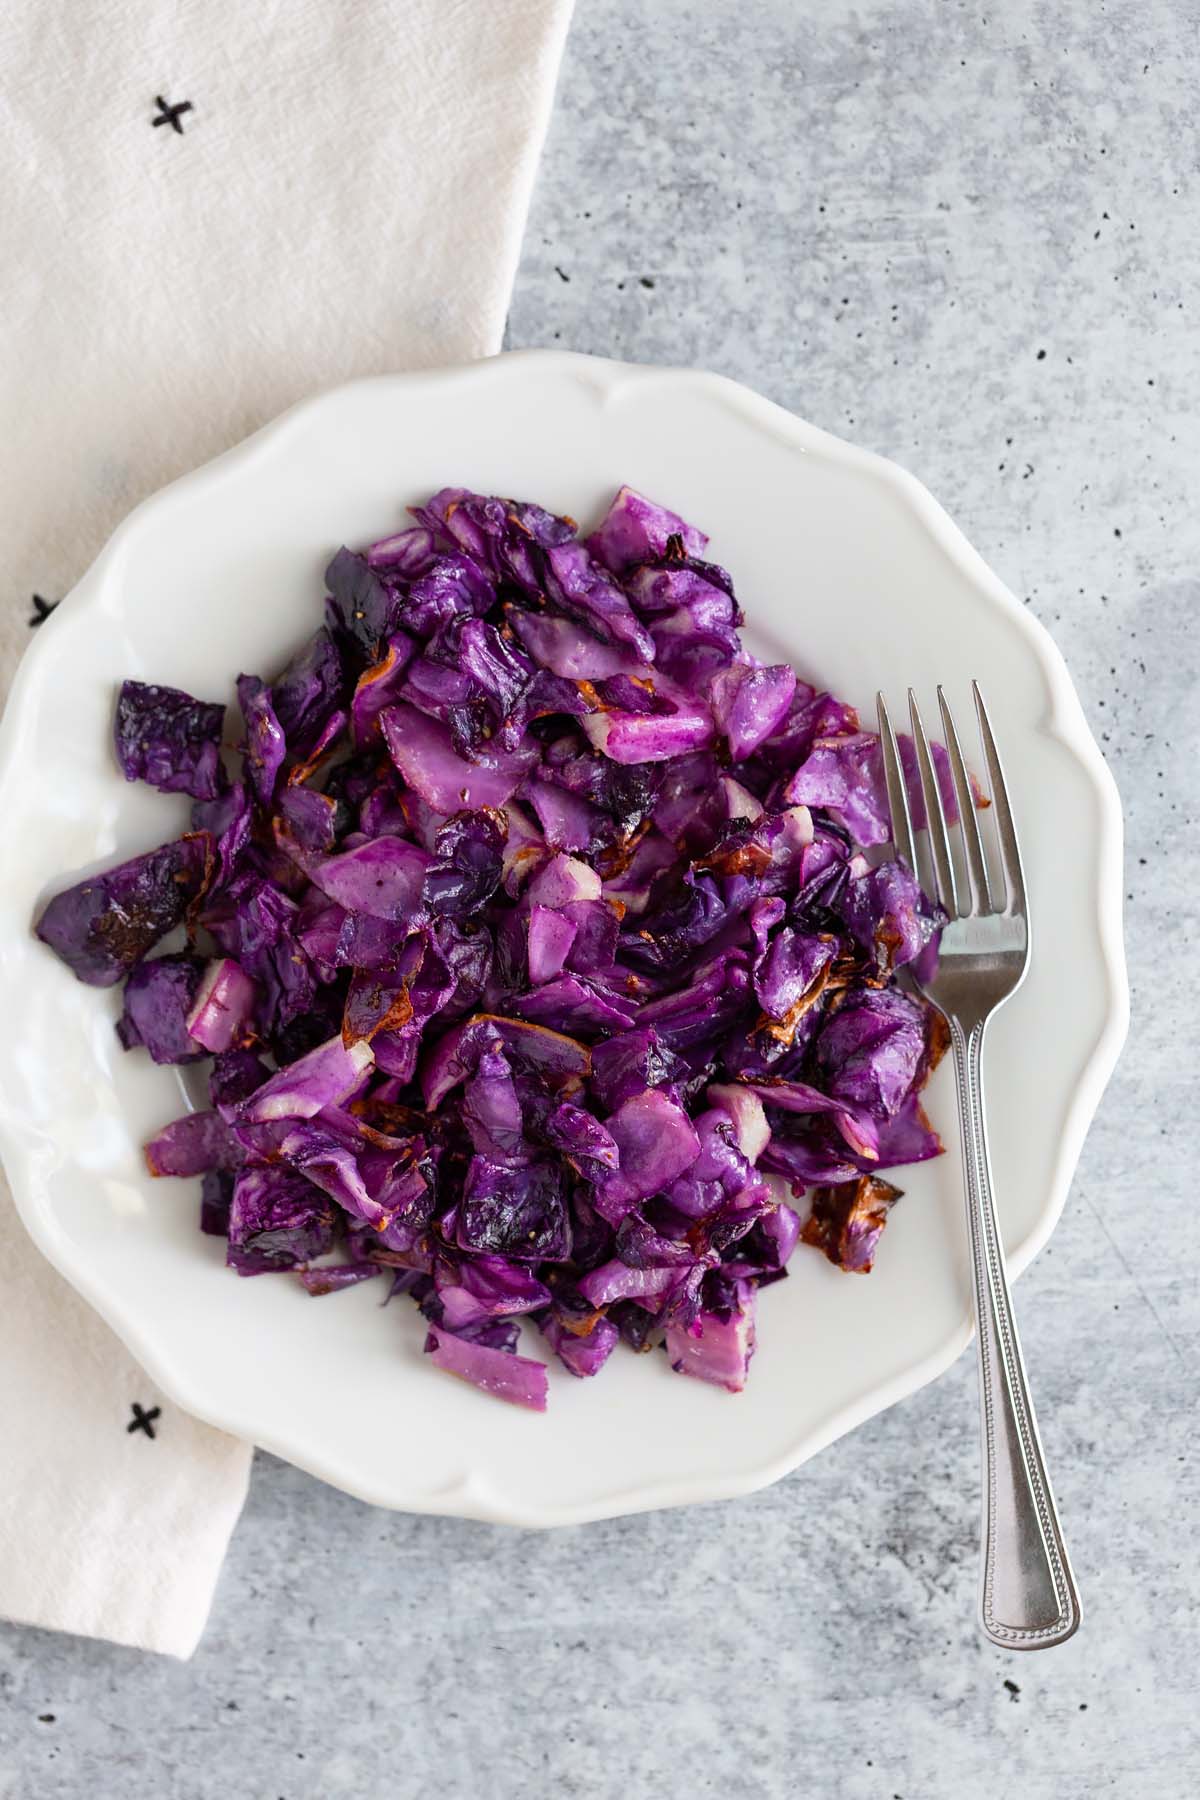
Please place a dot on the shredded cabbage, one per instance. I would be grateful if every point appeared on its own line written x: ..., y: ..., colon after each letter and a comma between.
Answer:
x: 535, y: 947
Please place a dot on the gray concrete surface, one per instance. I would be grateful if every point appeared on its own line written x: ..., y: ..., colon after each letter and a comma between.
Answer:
x: 964, y: 236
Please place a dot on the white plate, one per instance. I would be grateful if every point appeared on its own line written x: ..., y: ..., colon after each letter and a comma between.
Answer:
x: 847, y: 567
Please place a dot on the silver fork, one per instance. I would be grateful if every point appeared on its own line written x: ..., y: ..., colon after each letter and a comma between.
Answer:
x: 1028, y: 1599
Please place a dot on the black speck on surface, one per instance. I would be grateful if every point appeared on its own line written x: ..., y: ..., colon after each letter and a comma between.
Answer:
x: 46, y: 1718
x: 1041, y: 356
x: 1013, y: 1689
x: 561, y: 273
x: 646, y: 281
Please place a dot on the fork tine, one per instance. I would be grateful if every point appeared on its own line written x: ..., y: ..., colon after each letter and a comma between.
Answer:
x: 903, y: 841
x: 968, y: 823
x: 1006, y: 831
x: 935, y: 818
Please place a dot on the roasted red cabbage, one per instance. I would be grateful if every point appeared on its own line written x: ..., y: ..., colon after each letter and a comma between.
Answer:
x: 535, y: 945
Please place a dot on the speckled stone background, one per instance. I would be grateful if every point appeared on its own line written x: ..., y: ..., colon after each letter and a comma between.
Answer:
x: 964, y: 235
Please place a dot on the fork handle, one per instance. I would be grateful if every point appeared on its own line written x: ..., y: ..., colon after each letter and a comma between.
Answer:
x: 1028, y: 1598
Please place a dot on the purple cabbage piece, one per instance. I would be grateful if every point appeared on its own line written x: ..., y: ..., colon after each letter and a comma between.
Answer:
x: 487, y: 1286
x: 422, y: 750
x: 568, y: 821
x: 809, y: 1152
x: 322, y: 1154
x: 769, y: 1243
x: 889, y: 915
x: 265, y: 747
x: 651, y: 737
x: 383, y: 878
x: 517, y: 1210
x: 517, y: 1379
x: 907, y: 1137
x: 498, y: 673
x: 501, y: 537
x: 582, y: 1348
x: 656, y: 1142
x: 106, y: 923
x: 870, y: 1052
x: 640, y: 1246
x: 191, y: 1145
x: 811, y: 716
x: 750, y: 703
x: 451, y: 587
x: 695, y: 1016
x: 597, y: 931
x: 559, y: 646
x: 361, y: 606
x: 163, y: 736
x: 322, y: 1078
x: 227, y: 820
x: 216, y: 1197
x: 720, y: 1177
x: 789, y: 974
x: 855, y: 1123
x: 308, y: 693
x: 233, y: 1078
x: 585, y: 591
x: 158, y: 1003
x: 847, y: 1221
x: 689, y: 783
x: 492, y: 1111
x: 469, y: 865
x: 380, y: 686
x: 332, y: 1278
x: 581, y: 1006
x: 636, y: 530
x: 222, y: 1006
x: 408, y: 553
x: 563, y: 881
x: 277, y: 1220
x: 379, y: 1001
x: 311, y: 817
x: 717, y: 1346
x: 751, y: 1131
x: 559, y: 1059
x: 625, y: 1065
x: 616, y: 1280
x: 445, y: 692
x: 587, y: 1145
x: 695, y: 643
x: 630, y: 886
x: 257, y: 924
x: 665, y: 588
x: 551, y: 935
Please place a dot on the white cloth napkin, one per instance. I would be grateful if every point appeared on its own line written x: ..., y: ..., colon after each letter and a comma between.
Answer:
x: 345, y: 193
